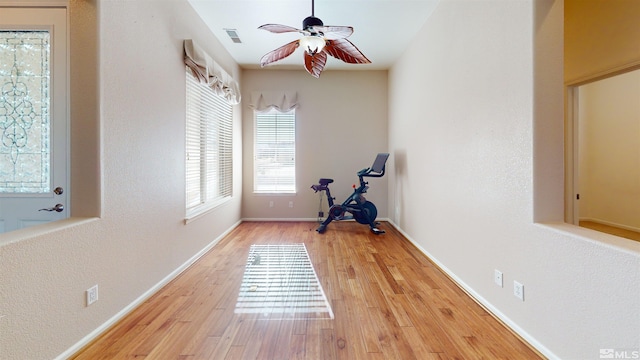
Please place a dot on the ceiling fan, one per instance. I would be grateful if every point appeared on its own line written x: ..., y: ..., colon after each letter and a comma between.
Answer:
x: 318, y: 40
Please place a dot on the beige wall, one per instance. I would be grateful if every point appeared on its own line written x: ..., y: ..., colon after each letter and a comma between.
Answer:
x: 341, y: 125
x: 609, y: 118
x: 135, y: 118
x: 476, y: 136
x: 600, y: 36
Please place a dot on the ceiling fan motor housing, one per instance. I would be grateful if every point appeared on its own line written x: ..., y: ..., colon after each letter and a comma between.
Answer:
x: 311, y: 21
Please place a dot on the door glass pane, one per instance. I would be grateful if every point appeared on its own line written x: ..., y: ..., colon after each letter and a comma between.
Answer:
x: 24, y: 112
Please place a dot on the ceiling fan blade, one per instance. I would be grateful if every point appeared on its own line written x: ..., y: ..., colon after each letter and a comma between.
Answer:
x: 279, y: 53
x: 344, y: 50
x: 278, y: 29
x: 315, y: 63
x: 334, y: 32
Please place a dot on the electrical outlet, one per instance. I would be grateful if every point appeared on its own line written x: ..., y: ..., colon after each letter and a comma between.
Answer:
x: 518, y: 290
x: 92, y: 294
x: 320, y: 213
x: 290, y: 204
x: 270, y: 204
x: 497, y: 277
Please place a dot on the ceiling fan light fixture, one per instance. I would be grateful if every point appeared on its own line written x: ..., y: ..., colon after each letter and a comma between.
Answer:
x: 311, y: 21
x: 317, y: 42
x: 312, y: 44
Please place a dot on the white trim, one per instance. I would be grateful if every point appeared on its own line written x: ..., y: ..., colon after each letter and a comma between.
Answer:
x: 197, y: 212
x: 488, y: 306
x: 142, y: 298
x: 275, y: 194
x: 571, y: 157
x: 300, y: 219
x: 603, y: 74
x: 279, y: 219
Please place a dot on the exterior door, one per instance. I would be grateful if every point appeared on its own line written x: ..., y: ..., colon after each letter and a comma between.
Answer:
x: 33, y: 117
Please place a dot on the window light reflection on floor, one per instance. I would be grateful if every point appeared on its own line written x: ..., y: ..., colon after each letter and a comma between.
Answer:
x: 279, y: 282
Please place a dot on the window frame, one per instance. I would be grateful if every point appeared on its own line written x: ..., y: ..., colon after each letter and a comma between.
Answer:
x: 208, y: 148
x: 285, y: 134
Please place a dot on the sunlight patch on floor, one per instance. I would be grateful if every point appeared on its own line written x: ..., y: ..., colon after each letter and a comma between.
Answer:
x: 279, y: 282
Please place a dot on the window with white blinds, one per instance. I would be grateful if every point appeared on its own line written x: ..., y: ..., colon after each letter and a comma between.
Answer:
x: 274, y: 166
x: 208, y: 148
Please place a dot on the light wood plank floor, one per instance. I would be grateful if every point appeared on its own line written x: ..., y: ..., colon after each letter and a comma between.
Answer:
x: 629, y: 234
x: 389, y: 301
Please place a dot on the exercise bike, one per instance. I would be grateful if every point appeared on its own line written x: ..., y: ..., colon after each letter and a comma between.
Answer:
x: 362, y: 210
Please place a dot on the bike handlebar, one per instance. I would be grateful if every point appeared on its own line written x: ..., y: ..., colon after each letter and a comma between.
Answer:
x: 366, y: 172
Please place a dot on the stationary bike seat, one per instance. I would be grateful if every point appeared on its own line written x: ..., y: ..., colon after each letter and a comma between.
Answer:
x: 324, y: 181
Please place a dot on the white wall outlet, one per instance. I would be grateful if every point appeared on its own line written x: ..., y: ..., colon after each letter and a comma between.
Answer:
x: 497, y: 277
x: 518, y: 290
x: 271, y: 204
x: 290, y: 204
x: 92, y: 294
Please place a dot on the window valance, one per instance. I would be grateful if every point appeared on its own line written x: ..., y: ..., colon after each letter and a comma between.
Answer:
x: 280, y: 100
x: 208, y: 72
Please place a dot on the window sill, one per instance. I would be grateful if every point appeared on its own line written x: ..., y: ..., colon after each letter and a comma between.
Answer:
x: 604, y: 239
x: 43, y: 229
x: 205, y: 209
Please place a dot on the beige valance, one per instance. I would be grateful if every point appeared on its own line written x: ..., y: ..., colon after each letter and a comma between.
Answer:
x: 280, y: 100
x: 208, y: 72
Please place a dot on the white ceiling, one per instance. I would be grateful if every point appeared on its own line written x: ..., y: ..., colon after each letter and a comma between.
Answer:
x: 382, y: 28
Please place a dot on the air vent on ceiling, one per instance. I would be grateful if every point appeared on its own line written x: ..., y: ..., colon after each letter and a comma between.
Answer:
x: 233, y: 34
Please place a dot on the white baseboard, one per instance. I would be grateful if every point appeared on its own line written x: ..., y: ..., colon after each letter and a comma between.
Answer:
x: 297, y: 219
x: 482, y: 301
x: 279, y: 219
x: 141, y: 299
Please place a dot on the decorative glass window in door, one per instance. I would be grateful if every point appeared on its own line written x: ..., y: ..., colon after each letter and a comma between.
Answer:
x: 24, y: 112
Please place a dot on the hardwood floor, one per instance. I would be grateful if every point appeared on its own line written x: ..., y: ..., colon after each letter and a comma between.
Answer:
x: 629, y: 234
x: 389, y: 302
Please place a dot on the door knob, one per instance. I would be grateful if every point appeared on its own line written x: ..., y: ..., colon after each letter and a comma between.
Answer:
x: 57, y: 208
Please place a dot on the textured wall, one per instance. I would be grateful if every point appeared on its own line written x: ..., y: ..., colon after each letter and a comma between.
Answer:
x: 475, y: 131
x: 140, y: 237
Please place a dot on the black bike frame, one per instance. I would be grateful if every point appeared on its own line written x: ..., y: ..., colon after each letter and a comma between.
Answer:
x: 354, y: 204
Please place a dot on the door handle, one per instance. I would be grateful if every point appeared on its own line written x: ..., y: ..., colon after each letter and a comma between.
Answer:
x: 57, y: 208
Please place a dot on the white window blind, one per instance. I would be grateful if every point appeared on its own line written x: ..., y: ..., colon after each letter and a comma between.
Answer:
x: 208, y: 148
x: 275, y: 152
